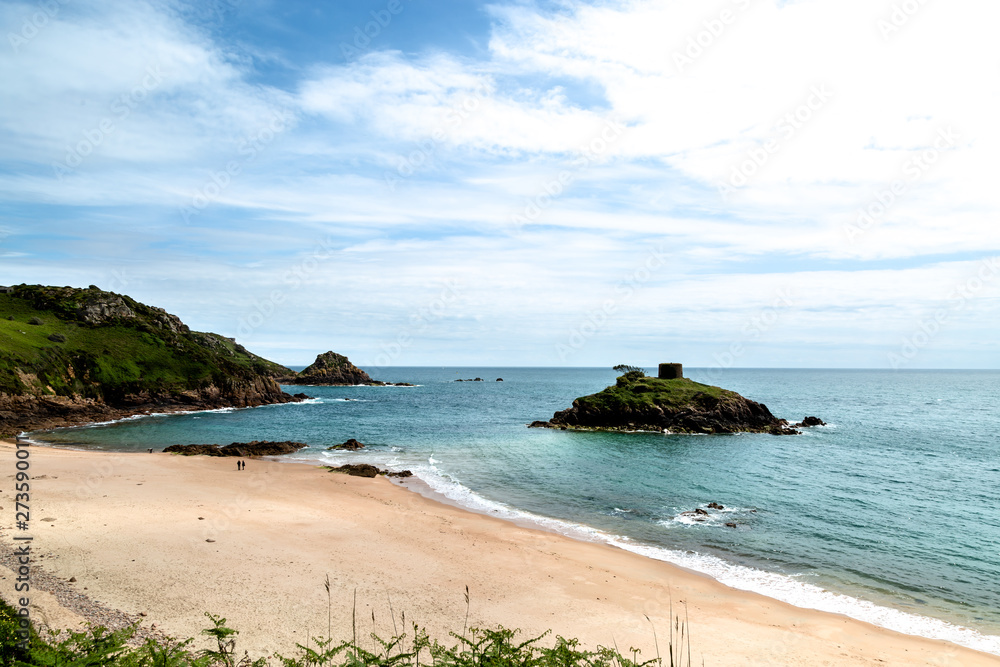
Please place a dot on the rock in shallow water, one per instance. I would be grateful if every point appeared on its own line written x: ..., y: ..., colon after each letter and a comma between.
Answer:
x: 242, y: 449
x: 367, y: 470
x: 350, y: 445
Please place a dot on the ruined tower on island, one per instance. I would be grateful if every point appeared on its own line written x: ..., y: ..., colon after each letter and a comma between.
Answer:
x: 671, y: 371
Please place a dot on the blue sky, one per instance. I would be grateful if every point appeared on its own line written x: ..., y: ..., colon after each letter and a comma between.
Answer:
x: 419, y: 182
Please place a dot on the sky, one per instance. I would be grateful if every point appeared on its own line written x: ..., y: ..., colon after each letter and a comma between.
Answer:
x: 735, y: 183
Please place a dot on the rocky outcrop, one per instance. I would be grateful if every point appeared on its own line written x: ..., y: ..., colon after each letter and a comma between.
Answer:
x: 639, y: 403
x: 95, y: 307
x: 357, y: 470
x: 241, y: 449
x: 334, y: 370
x: 367, y: 470
x: 350, y: 445
x: 329, y: 368
x: 37, y: 412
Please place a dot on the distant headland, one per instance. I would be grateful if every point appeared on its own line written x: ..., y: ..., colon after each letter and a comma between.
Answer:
x: 70, y: 356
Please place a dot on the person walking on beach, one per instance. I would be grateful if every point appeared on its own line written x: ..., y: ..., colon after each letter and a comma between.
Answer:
x: 239, y: 464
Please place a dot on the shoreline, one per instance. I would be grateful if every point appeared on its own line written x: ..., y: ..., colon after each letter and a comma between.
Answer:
x: 780, y: 587
x: 281, y: 528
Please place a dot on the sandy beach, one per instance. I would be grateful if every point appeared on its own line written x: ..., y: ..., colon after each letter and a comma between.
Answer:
x: 173, y: 537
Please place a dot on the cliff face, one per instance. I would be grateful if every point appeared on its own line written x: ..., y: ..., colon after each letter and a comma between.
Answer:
x: 69, y: 356
x: 330, y: 368
x: 675, y: 405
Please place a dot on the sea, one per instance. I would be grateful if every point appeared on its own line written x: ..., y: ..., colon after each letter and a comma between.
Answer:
x: 889, y: 514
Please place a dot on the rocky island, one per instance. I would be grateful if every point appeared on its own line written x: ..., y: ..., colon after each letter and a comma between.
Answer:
x: 332, y: 369
x: 669, y: 403
x: 70, y: 356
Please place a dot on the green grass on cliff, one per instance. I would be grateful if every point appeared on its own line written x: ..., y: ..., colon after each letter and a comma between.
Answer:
x: 634, y: 393
x: 110, y: 359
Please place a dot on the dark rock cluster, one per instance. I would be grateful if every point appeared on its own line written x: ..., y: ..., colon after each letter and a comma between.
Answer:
x: 367, y: 470
x: 241, y: 449
x: 350, y: 445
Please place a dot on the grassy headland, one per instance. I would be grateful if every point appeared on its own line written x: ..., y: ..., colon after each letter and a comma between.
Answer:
x: 88, y: 347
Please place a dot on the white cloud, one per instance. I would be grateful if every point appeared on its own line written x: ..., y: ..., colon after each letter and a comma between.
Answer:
x: 469, y: 144
x: 118, y: 83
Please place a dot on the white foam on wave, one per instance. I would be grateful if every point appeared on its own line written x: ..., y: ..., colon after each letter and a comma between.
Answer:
x: 715, y: 517
x: 131, y: 418
x: 373, y: 386
x: 447, y: 486
x: 801, y: 594
x: 308, y: 401
x: 778, y: 586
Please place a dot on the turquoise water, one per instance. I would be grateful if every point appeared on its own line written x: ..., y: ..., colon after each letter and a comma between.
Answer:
x: 889, y: 514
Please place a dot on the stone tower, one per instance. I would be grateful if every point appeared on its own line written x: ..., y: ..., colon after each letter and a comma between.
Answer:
x: 671, y: 371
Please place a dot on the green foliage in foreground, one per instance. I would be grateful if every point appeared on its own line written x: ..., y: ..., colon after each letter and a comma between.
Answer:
x: 9, y: 649
x: 474, y: 648
x: 636, y: 391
